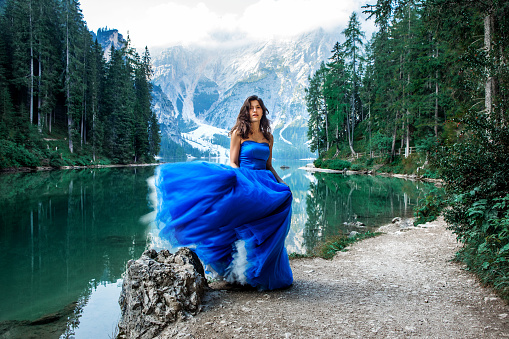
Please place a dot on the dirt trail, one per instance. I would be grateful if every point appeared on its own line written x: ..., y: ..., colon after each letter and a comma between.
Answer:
x: 398, y: 285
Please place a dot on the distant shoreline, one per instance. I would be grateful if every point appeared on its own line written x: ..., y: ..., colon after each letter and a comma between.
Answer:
x: 350, y: 172
x: 49, y: 168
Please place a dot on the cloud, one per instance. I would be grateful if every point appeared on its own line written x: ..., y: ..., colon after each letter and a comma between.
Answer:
x: 163, y: 23
x: 291, y: 17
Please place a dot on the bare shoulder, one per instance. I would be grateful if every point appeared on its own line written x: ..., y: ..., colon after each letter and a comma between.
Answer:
x: 235, y: 134
x: 235, y: 137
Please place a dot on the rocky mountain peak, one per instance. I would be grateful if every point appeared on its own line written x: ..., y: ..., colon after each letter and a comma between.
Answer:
x: 109, y: 37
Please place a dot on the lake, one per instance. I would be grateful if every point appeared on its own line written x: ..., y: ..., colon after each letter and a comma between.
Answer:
x: 67, y: 235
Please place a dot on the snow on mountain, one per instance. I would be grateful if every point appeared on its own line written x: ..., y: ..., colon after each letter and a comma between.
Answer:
x: 202, y: 138
x: 207, y: 87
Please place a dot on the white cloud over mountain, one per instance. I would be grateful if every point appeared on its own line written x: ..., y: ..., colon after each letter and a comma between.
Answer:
x: 181, y: 22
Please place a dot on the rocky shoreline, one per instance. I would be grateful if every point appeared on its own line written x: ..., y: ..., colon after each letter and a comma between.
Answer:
x: 311, y: 168
x: 49, y: 168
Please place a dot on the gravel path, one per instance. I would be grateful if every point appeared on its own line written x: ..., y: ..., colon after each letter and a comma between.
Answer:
x: 398, y: 285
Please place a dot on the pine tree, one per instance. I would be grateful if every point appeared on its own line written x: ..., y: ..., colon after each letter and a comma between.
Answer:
x: 75, y: 33
x: 118, y: 108
x: 48, y: 40
x: 352, y: 49
x: 142, y: 109
x: 18, y: 31
x: 6, y: 107
x: 317, y: 107
x: 153, y: 125
x: 95, y: 83
x: 337, y: 90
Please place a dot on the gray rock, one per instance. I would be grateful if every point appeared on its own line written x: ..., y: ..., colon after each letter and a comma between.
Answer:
x: 395, y: 220
x: 355, y: 224
x: 352, y: 234
x: 158, y: 289
x: 405, y: 224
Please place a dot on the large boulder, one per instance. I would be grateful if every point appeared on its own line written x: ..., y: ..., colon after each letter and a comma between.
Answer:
x: 158, y: 289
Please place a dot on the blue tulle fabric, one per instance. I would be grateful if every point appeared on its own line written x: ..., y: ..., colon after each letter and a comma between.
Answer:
x: 235, y: 219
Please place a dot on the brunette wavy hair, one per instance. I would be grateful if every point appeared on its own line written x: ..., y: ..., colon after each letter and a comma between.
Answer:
x: 243, y: 124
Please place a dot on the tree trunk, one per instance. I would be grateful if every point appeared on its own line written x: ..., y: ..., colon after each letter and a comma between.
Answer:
x: 352, y: 120
x: 39, y: 91
x: 407, y: 148
x: 436, y: 104
x: 327, y: 131
x: 488, y: 27
x: 348, y: 129
x: 402, y: 136
x: 31, y: 64
x: 324, y: 111
x: 369, y: 125
x: 394, y: 133
x: 352, y: 131
x: 68, y: 91
x: 81, y: 130
x: 93, y: 132
x: 39, y: 96
x: 84, y: 113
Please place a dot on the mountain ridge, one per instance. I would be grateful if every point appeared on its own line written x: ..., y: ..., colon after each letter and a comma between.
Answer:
x: 207, y: 85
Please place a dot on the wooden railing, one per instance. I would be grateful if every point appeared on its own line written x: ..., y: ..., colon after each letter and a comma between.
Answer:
x: 399, y: 151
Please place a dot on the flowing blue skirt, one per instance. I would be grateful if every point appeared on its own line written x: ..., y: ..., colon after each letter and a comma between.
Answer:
x: 235, y: 219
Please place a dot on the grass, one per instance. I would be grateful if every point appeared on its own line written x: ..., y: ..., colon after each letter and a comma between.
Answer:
x: 329, y: 248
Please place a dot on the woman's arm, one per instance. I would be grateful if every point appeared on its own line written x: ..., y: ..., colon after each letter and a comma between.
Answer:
x: 269, y: 163
x: 235, y: 149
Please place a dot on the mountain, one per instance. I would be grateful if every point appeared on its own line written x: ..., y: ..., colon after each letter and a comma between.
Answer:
x: 108, y: 38
x: 207, y: 87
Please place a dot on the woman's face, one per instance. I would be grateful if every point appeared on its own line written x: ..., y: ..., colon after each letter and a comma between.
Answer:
x: 255, y: 111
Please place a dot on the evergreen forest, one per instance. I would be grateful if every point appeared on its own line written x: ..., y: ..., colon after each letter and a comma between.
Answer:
x: 61, y: 102
x: 427, y: 94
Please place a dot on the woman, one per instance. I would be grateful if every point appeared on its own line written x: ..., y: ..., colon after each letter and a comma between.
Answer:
x: 252, y: 125
x: 236, y: 217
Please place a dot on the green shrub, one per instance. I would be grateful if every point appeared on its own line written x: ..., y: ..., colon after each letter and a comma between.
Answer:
x: 431, y: 174
x: 55, y: 160
x: 357, y: 167
x: 475, y: 171
x: 336, y: 164
x: 429, y: 208
x: 294, y: 255
x: 14, y: 155
x: 328, y: 249
x: 426, y: 143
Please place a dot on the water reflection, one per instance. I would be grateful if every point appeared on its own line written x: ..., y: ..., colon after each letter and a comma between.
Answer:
x: 64, y: 233
x: 337, y: 204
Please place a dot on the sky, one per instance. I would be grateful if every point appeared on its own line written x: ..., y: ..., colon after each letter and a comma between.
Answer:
x: 161, y: 23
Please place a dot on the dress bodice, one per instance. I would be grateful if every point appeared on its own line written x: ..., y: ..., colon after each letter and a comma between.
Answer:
x: 254, y: 155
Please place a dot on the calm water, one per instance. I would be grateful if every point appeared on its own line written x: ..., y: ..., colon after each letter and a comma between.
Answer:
x: 66, y: 237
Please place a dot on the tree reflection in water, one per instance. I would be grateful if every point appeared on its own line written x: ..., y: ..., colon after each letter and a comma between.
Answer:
x: 63, y: 233
x: 335, y: 202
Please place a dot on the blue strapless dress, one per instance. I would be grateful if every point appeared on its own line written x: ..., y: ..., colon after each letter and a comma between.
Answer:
x: 235, y: 219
